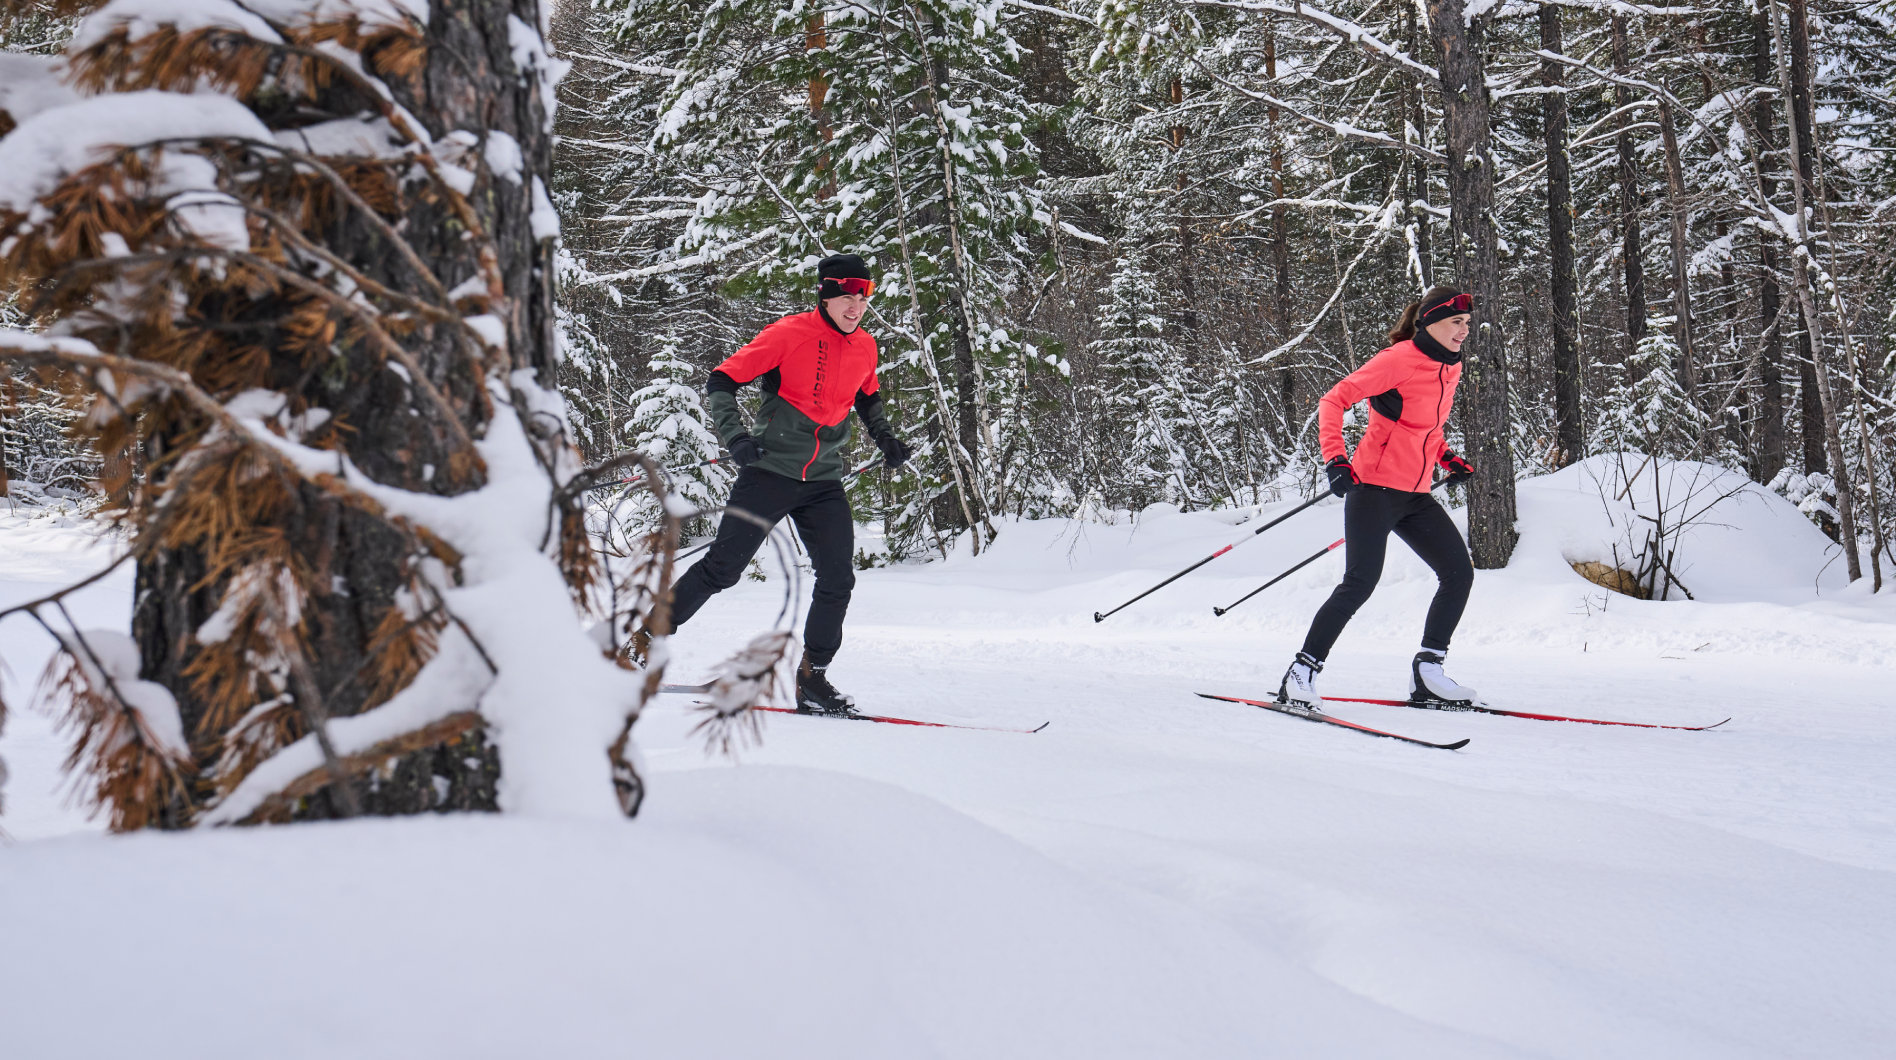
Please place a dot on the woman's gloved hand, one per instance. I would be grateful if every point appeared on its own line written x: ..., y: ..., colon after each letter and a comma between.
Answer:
x: 1459, y: 469
x: 1343, y: 480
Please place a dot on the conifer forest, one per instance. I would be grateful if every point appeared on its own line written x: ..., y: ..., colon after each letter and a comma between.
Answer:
x: 348, y: 310
x: 1125, y: 246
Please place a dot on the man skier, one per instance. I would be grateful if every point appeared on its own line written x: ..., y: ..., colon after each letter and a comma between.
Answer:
x: 813, y: 368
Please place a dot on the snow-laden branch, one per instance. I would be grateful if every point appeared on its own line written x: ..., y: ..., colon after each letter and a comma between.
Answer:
x: 1043, y: 9
x: 1341, y: 129
x: 1342, y: 285
x: 1356, y: 33
x: 1657, y: 90
x: 703, y: 257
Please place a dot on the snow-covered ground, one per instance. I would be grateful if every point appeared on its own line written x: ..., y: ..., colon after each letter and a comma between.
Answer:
x: 1154, y: 875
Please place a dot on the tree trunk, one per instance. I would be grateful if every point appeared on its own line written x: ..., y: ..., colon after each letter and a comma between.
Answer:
x: 1804, y: 159
x: 1635, y: 270
x: 1188, y: 295
x: 1418, y: 169
x: 360, y: 567
x: 1804, y: 188
x: 1768, y: 432
x: 816, y: 38
x: 1483, y: 402
x: 1569, y: 427
x: 1280, y: 245
x: 1687, y: 366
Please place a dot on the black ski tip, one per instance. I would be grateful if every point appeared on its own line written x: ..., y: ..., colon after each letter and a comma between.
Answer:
x: 1097, y: 617
x: 1456, y: 746
x: 1714, y: 725
x: 1043, y: 725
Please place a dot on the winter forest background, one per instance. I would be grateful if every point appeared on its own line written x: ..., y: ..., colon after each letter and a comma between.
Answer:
x: 1126, y: 246
x: 375, y: 320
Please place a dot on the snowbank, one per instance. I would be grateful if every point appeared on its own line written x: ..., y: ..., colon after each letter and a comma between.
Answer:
x: 1153, y: 875
x: 756, y: 912
x: 1739, y: 542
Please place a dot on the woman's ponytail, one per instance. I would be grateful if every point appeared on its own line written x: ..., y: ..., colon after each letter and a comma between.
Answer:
x: 1405, y: 327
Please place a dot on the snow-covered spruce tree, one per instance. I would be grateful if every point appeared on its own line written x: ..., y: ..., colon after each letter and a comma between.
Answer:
x: 301, y: 256
x: 1140, y: 399
x: 669, y: 424
x: 1185, y: 158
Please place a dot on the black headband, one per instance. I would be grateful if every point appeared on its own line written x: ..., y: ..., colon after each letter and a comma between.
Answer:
x: 1453, y: 304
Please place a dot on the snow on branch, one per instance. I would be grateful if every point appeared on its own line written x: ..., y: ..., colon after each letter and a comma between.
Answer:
x: 689, y: 261
x: 1343, y: 130
x: 1362, y: 36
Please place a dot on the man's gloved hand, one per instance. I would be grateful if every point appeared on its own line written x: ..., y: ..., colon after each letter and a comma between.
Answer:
x: 1459, y: 470
x: 745, y: 450
x: 1343, y: 478
x: 894, y: 450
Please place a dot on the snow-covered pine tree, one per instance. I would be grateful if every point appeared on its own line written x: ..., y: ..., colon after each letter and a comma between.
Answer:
x: 302, y: 261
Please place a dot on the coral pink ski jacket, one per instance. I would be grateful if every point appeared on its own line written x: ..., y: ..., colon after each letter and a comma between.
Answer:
x: 1410, y: 395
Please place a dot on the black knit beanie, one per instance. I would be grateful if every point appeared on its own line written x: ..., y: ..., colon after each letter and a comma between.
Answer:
x: 840, y: 267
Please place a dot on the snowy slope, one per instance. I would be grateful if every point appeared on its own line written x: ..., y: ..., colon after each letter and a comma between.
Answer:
x: 1155, y: 875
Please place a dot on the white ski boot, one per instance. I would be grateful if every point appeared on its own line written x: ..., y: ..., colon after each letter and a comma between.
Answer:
x: 1299, y: 688
x: 1430, y: 687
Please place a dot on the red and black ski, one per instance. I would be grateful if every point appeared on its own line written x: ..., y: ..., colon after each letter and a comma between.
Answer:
x: 1471, y: 708
x: 900, y: 721
x: 1312, y: 715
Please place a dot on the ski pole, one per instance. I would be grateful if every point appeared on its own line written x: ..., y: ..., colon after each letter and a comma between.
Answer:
x: 1320, y: 554
x: 1098, y: 617
x: 1324, y: 551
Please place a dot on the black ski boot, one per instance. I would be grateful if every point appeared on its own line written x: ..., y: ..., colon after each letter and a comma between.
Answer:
x: 815, y: 694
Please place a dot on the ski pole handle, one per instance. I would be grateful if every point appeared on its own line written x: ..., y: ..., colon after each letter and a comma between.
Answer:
x: 1101, y: 617
x: 1326, y: 550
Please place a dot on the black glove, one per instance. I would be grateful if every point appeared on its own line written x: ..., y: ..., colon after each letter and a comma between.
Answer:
x: 894, y: 450
x: 1343, y: 478
x: 1459, y: 470
x: 745, y: 451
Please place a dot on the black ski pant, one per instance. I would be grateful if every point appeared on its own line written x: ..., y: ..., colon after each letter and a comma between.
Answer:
x: 820, y: 511
x: 1369, y: 514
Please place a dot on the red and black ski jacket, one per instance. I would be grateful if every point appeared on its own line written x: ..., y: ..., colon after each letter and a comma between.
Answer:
x: 812, y: 375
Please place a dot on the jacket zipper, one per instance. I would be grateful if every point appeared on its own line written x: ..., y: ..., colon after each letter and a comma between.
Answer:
x: 1441, y: 392
x: 813, y: 453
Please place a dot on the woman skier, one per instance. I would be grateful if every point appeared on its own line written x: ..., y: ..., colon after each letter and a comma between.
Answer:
x: 1411, y: 390
x: 814, y: 368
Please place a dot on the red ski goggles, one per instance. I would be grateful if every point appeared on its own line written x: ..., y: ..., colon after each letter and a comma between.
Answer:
x: 1461, y: 303
x: 850, y: 285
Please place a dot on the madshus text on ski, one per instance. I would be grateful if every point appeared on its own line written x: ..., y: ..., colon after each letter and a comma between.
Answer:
x: 815, y: 367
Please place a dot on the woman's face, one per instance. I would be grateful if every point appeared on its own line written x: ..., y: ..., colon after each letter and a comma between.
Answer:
x: 1451, y: 332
